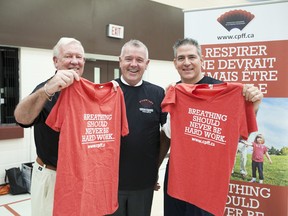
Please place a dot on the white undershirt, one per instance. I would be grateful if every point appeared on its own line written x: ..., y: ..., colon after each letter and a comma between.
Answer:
x: 138, y: 84
x: 167, y: 127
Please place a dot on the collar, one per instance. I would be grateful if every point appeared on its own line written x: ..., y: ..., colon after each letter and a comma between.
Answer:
x: 138, y: 84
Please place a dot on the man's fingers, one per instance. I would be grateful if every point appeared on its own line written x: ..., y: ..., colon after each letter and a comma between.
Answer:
x: 252, y: 93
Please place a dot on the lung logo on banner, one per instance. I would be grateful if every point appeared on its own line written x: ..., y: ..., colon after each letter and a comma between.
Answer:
x: 235, y: 19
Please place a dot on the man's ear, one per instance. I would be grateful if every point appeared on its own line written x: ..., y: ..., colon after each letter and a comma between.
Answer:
x: 55, y: 60
x: 202, y: 58
x: 175, y: 62
x: 147, y: 63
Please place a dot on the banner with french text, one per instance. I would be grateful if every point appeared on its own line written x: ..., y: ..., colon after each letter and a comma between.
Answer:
x: 249, y: 44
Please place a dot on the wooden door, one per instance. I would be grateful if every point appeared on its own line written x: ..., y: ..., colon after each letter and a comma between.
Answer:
x: 100, y: 71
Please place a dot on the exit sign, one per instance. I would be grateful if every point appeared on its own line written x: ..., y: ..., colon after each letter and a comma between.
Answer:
x: 115, y: 31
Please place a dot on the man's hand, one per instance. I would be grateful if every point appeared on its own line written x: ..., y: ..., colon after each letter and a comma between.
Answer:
x: 157, y: 187
x: 253, y: 94
x: 115, y: 85
x: 62, y: 79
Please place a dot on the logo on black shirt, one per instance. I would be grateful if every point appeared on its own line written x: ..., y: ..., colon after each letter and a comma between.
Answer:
x: 147, y: 106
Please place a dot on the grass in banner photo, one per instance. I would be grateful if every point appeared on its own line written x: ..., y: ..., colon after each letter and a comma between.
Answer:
x: 274, y: 174
x: 273, y: 125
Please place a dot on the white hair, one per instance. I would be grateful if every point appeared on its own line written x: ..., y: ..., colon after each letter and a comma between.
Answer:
x: 62, y: 42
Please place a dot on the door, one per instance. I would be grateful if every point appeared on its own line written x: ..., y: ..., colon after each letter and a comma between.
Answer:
x: 100, y: 71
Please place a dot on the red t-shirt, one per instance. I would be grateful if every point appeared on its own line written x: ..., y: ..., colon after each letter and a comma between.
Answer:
x: 206, y: 123
x: 258, y: 152
x: 91, y: 119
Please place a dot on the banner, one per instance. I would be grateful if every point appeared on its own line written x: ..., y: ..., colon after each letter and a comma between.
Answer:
x: 249, y: 44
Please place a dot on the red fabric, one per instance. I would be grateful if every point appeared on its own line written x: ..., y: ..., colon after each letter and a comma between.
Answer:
x: 91, y: 119
x: 206, y: 123
x: 258, y: 152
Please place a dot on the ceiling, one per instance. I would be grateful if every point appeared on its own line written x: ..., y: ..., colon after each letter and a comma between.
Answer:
x: 203, y: 4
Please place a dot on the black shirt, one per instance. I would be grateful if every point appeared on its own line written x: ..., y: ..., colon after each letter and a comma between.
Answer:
x: 139, y: 153
x: 46, y: 139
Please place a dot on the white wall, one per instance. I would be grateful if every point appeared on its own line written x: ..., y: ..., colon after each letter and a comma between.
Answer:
x: 161, y: 73
x: 36, y: 65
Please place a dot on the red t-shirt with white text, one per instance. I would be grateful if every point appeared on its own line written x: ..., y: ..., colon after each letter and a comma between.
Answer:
x: 206, y: 123
x: 91, y: 119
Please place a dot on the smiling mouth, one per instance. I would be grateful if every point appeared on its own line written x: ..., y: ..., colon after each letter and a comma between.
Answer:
x: 188, y: 69
x: 75, y: 69
x: 133, y: 71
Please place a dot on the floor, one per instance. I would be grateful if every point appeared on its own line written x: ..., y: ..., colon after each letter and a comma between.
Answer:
x: 15, y: 205
x: 19, y: 205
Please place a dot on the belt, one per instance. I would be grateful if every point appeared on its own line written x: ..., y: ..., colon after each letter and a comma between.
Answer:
x: 40, y: 162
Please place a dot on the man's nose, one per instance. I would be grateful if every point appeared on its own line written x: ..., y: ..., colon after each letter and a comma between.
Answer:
x: 133, y: 62
x: 74, y: 60
x: 187, y: 61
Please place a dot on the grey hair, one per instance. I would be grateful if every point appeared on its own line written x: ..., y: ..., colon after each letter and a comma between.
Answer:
x: 62, y: 42
x: 186, y: 41
x: 135, y: 43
